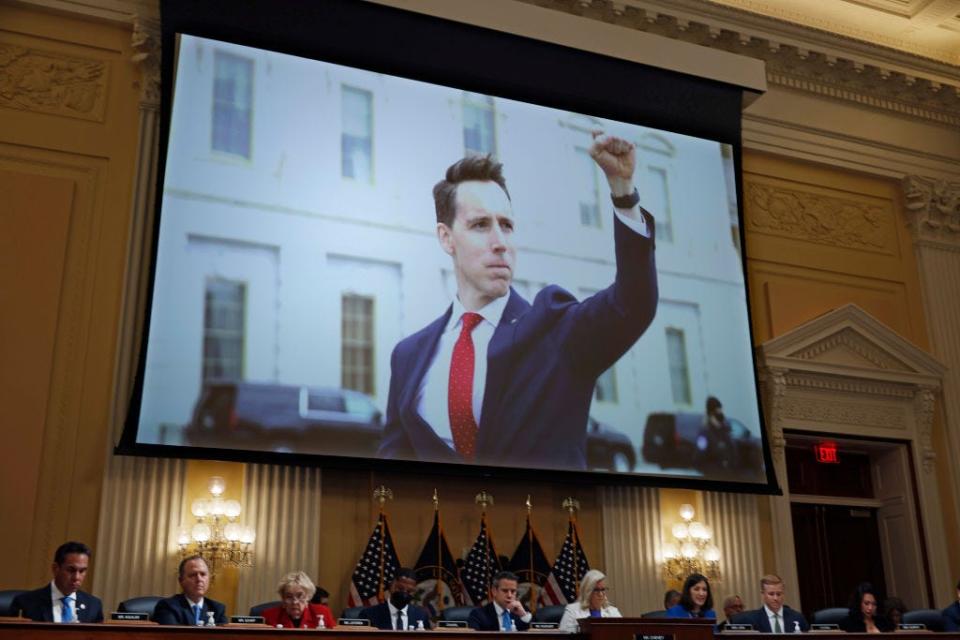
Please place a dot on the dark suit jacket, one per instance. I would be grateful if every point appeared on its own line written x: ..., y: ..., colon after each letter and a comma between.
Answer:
x: 542, y: 364
x: 379, y: 616
x: 951, y: 617
x: 310, y: 619
x: 485, y: 619
x: 854, y: 624
x: 758, y: 618
x: 38, y: 606
x: 178, y: 610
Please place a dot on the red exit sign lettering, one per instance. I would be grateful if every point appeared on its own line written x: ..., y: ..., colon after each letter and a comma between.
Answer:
x: 826, y: 452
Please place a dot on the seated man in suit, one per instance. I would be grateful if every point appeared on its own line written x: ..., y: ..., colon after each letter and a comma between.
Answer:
x: 732, y: 606
x: 951, y: 615
x: 773, y: 616
x: 399, y: 613
x: 62, y: 600
x: 504, y: 612
x: 190, y: 607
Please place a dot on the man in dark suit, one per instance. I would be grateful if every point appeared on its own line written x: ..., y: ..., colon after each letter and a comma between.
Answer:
x: 951, y: 615
x: 732, y: 606
x: 773, y: 616
x: 536, y: 365
x: 504, y: 612
x: 62, y: 600
x: 191, y: 607
x: 399, y: 613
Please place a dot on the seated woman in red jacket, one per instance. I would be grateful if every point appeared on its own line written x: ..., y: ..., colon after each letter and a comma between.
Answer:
x: 295, y: 591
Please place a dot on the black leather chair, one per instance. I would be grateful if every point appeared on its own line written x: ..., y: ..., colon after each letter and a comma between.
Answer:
x: 258, y: 609
x: 659, y: 613
x: 352, y: 612
x: 140, y: 604
x: 932, y: 618
x: 457, y: 614
x: 833, y: 615
x: 6, y: 602
x: 551, y: 613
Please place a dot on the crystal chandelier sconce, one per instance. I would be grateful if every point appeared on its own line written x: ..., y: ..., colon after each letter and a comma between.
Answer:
x: 691, y: 550
x: 218, y: 537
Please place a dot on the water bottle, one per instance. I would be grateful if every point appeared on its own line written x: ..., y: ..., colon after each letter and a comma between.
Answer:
x: 420, y: 625
x: 321, y: 623
x: 796, y: 626
x: 210, y: 622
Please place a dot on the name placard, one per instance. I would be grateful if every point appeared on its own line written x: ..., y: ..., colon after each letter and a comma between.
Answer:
x: 820, y: 626
x: 912, y: 626
x: 544, y: 626
x: 247, y: 620
x: 653, y: 636
x: 130, y: 616
x: 353, y: 622
x: 451, y: 624
x: 730, y: 626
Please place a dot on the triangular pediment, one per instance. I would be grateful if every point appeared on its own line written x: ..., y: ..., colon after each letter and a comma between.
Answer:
x: 850, y: 338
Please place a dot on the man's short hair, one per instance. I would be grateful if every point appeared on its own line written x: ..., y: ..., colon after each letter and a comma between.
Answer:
x: 669, y: 595
x: 482, y: 168
x: 184, y: 562
x: 713, y: 404
x: 504, y: 575
x: 770, y: 579
x: 60, y: 555
x: 729, y: 600
x: 406, y: 572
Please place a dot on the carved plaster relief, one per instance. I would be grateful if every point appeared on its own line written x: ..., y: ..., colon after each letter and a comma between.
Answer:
x: 828, y: 220
x: 50, y: 82
x: 845, y: 413
x: 849, y: 347
x: 933, y: 207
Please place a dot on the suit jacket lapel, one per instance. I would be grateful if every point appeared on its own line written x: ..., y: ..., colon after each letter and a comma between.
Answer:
x: 47, y: 598
x: 499, y: 352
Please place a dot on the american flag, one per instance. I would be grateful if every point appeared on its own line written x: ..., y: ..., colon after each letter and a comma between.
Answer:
x: 481, y: 565
x: 375, y: 569
x: 568, y: 570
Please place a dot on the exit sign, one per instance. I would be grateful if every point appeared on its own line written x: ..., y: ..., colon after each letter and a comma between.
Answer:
x: 826, y: 452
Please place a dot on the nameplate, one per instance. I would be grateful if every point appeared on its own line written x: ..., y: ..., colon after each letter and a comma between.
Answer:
x: 246, y: 620
x: 824, y: 627
x: 451, y: 624
x: 737, y: 627
x: 544, y: 626
x: 653, y: 636
x: 353, y: 622
x: 912, y: 626
x: 125, y: 616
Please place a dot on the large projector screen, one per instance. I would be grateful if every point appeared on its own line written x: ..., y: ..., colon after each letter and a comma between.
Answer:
x: 298, y: 245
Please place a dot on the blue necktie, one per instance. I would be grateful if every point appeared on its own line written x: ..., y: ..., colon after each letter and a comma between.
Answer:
x: 505, y: 621
x: 66, y: 615
x: 196, y: 614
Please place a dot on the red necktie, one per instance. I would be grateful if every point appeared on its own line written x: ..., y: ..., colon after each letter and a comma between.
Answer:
x: 460, y: 392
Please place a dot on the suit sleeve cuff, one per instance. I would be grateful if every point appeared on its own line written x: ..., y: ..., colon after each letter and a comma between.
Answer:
x: 634, y: 220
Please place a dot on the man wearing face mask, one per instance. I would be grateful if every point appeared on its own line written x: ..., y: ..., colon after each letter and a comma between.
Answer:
x: 399, y: 613
x: 715, y: 450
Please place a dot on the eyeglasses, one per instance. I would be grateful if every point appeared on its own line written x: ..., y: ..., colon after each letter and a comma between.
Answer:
x: 300, y: 597
x: 600, y: 590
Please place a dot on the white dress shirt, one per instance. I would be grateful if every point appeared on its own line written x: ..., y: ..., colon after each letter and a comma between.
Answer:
x: 432, y: 395
x: 527, y: 617
x: 403, y: 616
x: 771, y: 616
x: 55, y: 597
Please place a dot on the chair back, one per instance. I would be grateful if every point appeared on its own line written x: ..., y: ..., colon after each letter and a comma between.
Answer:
x: 551, y: 613
x: 932, y: 618
x: 140, y: 604
x: 659, y: 613
x: 6, y: 602
x: 352, y: 612
x: 833, y: 615
x: 258, y: 609
x: 457, y: 614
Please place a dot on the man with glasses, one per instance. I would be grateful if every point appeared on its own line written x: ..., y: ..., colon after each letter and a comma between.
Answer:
x: 399, y: 613
x: 191, y: 607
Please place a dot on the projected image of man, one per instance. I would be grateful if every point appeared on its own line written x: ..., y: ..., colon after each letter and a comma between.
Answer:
x: 500, y: 380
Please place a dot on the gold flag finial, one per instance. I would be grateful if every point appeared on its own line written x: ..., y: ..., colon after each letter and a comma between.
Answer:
x: 483, y: 499
x: 436, y: 501
x: 528, y: 504
x: 571, y: 505
x: 381, y: 494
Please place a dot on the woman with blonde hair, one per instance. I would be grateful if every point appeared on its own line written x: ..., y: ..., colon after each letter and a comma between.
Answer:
x: 295, y: 611
x: 592, y: 602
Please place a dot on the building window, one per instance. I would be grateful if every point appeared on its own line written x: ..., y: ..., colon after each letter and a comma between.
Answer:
x: 232, y: 104
x: 656, y: 200
x: 479, y: 136
x: 588, y: 188
x: 356, y: 143
x: 679, y: 369
x: 223, y: 329
x: 357, y: 344
x: 606, y: 388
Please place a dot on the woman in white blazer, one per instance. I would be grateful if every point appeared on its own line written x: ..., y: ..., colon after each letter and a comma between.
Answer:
x: 592, y: 603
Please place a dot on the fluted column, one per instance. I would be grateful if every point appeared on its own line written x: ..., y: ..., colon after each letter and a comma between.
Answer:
x: 736, y: 532
x: 933, y: 212
x: 284, y: 504
x: 136, y: 547
x: 631, y: 547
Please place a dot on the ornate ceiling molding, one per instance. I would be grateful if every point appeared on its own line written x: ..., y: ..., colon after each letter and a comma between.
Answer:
x: 933, y: 208
x: 797, y: 57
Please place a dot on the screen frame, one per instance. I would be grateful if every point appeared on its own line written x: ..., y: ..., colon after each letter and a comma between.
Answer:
x: 472, y: 58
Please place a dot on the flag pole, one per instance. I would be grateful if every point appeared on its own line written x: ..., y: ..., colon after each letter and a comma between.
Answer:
x: 381, y: 494
x: 533, y: 577
x: 436, y: 512
x: 572, y: 506
x: 483, y: 499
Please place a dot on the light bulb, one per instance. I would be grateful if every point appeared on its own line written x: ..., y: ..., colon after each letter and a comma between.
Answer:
x: 232, y: 532
x: 183, y: 538
x: 248, y: 535
x: 689, y: 550
x: 232, y: 508
x: 217, y: 507
x: 217, y: 486
x: 669, y: 551
x: 680, y: 530
x: 199, y: 507
x: 711, y: 554
x: 686, y: 512
x: 200, y: 532
x: 707, y: 532
x: 697, y: 531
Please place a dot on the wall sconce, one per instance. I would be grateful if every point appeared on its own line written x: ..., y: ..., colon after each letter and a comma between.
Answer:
x: 217, y: 536
x: 691, y: 550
